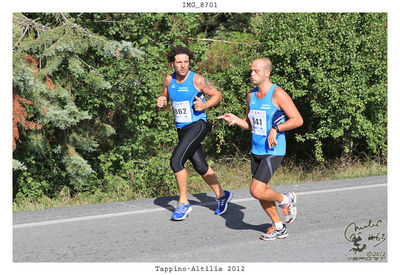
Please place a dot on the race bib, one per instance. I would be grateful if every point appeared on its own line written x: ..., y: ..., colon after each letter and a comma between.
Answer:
x: 258, y: 122
x: 182, y: 111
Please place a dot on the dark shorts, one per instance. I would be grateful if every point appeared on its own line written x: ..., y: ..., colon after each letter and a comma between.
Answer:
x: 263, y: 167
x: 189, y: 148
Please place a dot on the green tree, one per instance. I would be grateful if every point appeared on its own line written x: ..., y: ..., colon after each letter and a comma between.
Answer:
x: 51, y: 67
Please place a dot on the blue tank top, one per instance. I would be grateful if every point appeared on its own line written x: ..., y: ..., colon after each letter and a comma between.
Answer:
x: 263, y: 115
x: 183, y: 95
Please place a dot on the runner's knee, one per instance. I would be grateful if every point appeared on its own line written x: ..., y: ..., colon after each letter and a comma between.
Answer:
x: 200, y: 167
x: 257, y: 190
x: 175, y: 164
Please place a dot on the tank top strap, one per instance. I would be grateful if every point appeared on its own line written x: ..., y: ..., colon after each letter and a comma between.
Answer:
x: 254, y: 93
x: 190, y: 77
x: 270, y: 92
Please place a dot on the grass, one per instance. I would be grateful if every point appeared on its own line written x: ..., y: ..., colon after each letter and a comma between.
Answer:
x: 232, y: 173
x: 235, y: 173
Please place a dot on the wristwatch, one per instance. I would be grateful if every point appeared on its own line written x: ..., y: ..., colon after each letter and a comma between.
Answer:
x: 276, y: 129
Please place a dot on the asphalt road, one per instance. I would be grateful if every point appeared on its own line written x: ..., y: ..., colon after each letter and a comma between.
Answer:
x: 338, y: 221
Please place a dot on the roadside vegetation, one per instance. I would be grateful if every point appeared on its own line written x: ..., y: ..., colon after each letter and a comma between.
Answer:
x: 85, y: 124
x: 233, y: 173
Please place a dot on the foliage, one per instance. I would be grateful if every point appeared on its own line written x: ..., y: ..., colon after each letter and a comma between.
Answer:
x: 95, y: 104
x: 49, y: 71
x: 20, y: 115
x: 335, y: 67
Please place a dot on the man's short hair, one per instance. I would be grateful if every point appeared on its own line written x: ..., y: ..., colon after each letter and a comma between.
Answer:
x: 267, y: 63
x: 179, y: 50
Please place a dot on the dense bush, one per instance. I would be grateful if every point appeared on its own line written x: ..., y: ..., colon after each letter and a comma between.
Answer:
x: 93, y: 79
x: 335, y: 67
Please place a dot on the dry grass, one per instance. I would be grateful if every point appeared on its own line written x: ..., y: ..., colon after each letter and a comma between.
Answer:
x: 232, y: 173
x: 235, y: 173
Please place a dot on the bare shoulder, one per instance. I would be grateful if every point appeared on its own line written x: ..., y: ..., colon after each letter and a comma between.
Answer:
x: 198, y: 79
x: 281, y: 95
x: 281, y: 98
x: 203, y: 84
x: 167, y: 80
x: 279, y: 92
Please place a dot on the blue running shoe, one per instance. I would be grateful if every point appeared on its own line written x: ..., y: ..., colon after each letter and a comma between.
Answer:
x: 181, y: 212
x: 223, y: 203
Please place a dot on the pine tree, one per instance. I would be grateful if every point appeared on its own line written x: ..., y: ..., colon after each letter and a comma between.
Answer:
x: 48, y: 62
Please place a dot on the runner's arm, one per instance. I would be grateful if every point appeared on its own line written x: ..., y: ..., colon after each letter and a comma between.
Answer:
x: 283, y: 101
x: 232, y: 119
x: 206, y: 87
x: 162, y: 100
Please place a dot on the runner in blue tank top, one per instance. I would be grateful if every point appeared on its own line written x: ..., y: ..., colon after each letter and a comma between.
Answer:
x: 187, y: 91
x: 267, y: 106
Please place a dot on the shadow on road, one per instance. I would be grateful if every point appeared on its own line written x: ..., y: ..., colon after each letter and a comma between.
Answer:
x: 234, y: 216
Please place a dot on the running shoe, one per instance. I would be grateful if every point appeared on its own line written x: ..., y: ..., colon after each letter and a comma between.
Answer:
x: 290, y: 210
x: 181, y: 212
x: 223, y: 203
x: 273, y: 234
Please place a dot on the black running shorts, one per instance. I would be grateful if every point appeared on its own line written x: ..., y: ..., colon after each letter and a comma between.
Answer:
x: 263, y: 167
x: 189, y: 148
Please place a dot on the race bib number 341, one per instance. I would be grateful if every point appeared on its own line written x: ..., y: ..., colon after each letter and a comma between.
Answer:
x: 258, y: 122
x: 182, y: 111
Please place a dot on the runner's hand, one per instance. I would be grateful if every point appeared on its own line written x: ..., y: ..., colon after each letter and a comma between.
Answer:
x: 272, y: 138
x: 199, y: 105
x: 230, y: 118
x: 161, y: 101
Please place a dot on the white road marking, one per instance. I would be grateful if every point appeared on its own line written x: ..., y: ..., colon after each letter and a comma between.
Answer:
x: 135, y: 212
